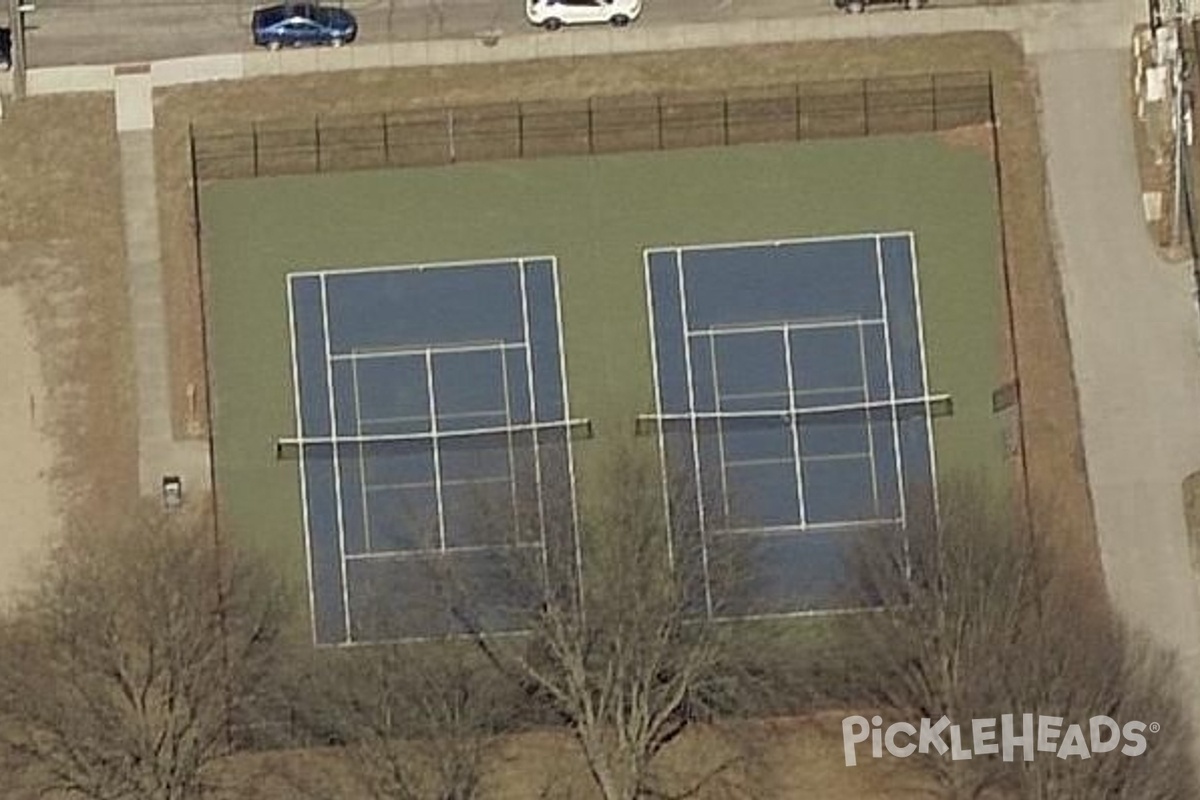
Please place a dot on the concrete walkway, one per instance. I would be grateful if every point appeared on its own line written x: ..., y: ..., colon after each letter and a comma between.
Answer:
x: 1134, y: 338
x: 1042, y: 24
x: 159, y: 454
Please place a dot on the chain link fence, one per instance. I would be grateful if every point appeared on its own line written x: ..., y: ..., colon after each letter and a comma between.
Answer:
x: 435, y: 136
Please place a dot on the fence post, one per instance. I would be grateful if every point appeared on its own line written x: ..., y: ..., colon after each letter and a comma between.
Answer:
x: 933, y: 102
x: 725, y: 117
x: 799, y: 123
x: 659, y: 102
x: 591, y: 134
x: 317, y: 139
x: 866, y: 109
x: 520, y: 131
x: 387, y: 144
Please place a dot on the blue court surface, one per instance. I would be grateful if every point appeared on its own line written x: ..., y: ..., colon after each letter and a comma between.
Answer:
x: 424, y: 394
x: 792, y: 393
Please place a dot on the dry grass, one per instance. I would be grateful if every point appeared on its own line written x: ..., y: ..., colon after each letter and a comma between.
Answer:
x: 61, y: 245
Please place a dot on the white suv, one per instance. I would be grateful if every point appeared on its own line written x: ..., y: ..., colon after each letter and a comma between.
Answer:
x: 553, y: 14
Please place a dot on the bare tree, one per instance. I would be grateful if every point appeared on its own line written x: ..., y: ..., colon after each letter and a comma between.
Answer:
x: 120, y: 669
x: 624, y: 653
x: 976, y: 618
x: 413, y: 722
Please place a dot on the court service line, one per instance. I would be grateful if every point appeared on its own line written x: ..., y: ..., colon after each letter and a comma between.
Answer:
x: 362, y: 463
x: 788, y: 325
x: 425, y: 552
x: 418, y: 351
x: 869, y: 424
x: 418, y: 267
x: 783, y: 530
x: 716, y: 379
x: 508, y: 421
x: 865, y: 236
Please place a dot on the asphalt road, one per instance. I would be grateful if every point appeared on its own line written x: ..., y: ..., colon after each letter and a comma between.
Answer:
x: 114, y: 31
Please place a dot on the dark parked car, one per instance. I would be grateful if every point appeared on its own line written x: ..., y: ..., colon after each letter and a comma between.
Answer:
x: 859, y: 6
x: 300, y: 24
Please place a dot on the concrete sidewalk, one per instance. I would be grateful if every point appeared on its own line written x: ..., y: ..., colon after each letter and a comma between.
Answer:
x: 1135, y: 347
x: 1041, y: 25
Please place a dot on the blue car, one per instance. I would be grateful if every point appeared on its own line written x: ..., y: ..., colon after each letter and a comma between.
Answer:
x: 302, y: 24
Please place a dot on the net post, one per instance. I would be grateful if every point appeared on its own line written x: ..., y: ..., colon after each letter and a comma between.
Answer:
x: 254, y: 147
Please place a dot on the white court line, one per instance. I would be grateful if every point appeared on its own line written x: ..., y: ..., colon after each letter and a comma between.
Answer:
x: 782, y: 530
x: 533, y: 418
x: 388, y: 420
x: 845, y: 237
x: 396, y: 487
x: 400, y: 555
x: 418, y: 267
x: 566, y: 400
x: 337, y: 467
x: 887, y: 346
x: 777, y: 327
x: 437, y: 456
x: 381, y: 438
x: 790, y: 366
x: 308, y: 556
x: 849, y: 456
x: 763, y: 462
x: 784, y: 414
x: 658, y: 409
x: 782, y: 395
x: 362, y: 463
x: 419, y: 351
x: 869, y: 423
x: 716, y: 380
x: 912, y: 252
x: 508, y: 421
x: 691, y: 376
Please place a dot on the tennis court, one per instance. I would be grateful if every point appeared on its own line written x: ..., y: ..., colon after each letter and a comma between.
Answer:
x: 792, y: 389
x: 423, y: 394
x: 542, y: 311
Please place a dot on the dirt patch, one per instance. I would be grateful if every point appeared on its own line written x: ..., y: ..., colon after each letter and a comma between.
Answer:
x: 1055, y: 472
x: 61, y: 249
x: 1049, y: 434
x: 24, y: 486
